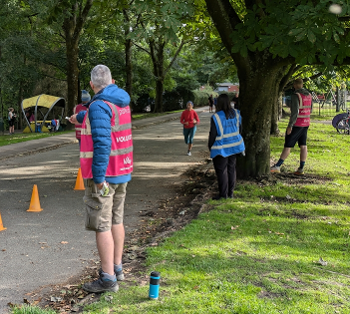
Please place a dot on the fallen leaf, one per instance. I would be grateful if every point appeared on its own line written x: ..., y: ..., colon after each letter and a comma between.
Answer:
x: 36, y: 302
x: 322, y: 262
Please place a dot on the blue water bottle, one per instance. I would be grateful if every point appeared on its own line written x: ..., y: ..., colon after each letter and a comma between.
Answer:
x: 154, y: 285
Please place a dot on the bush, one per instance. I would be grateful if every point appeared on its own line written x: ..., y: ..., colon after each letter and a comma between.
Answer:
x: 230, y: 95
x: 172, y: 101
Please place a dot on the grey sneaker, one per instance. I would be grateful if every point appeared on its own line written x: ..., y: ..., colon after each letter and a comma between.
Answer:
x: 275, y: 168
x: 101, y: 285
x: 189, y: 153
x: 299, y: 172
x: 118, y: 273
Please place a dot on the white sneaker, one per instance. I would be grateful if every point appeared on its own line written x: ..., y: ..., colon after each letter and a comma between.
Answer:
x: 275, y: 168
x: 189, y: 153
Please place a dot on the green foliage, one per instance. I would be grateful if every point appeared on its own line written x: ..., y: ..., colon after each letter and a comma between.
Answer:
x: 305, y: 31
x: 201, y: 96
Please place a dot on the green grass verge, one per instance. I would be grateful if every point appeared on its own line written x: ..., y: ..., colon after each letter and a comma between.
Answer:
x: 258, y: 253
x: 24, y: 137
x: 27, y: 309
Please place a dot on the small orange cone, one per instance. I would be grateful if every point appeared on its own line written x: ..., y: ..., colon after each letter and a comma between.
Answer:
x: 79, y: 183
x: 1, y: 225
x: 34, y: 202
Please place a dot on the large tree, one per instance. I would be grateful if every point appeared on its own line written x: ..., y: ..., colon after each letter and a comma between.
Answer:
x: 269, y: 40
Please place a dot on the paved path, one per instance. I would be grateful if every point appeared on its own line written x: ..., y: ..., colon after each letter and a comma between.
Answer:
x: 49, y: 247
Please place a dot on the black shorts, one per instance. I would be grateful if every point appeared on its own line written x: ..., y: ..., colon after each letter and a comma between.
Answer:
x: 11, y: 123
x: 298, y: 134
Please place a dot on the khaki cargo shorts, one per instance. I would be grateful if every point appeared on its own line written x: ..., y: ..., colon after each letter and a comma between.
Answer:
x: 104, y: 211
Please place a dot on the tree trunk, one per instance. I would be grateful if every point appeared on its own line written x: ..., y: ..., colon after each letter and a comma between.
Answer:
x: 276, y: 114
x: 72, y: 26
x: 280, y: 106
x: 72, y: 74
x: 158, y: 107
x: 128, y: 65
x: 259, y: 76
x: 158, y: 71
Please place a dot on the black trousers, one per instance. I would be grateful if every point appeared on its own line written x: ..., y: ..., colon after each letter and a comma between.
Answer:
x: 225, y: 168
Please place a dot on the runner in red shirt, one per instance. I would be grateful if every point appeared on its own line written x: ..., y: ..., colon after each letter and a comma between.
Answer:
x: 189, y: 118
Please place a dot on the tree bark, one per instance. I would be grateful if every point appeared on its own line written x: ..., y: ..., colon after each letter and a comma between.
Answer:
x: 259, y: 77
x: 72, y: 73
x: 128, y: 55
x: 128, y: 66
x: 72, y: 27
x: 157, y: 56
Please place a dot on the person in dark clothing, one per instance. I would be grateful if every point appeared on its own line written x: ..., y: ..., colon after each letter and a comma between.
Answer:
x: 225, y: 143
x: 211, y: 103
x: 299, y: 122
x: 235, y: 100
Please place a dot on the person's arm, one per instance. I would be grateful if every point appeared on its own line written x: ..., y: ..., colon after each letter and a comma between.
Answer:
x: 80, y: 116
x: 294, y: 110
x: 182, y: 117
x: 212, y: 133
x: 196, y: 117
x: 100, y: 116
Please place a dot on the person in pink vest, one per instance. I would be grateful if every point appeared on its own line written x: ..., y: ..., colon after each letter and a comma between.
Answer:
x: 299, y: 122
x: 85, y: 98
x: 106, y: 161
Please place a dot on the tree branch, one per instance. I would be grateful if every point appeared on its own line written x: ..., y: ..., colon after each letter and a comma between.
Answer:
x: 285, y: 79
x: 313, y: 77
x: 143, y: 49
x: 174, y: 58
x: 82, y: 18
x: 225, y: 19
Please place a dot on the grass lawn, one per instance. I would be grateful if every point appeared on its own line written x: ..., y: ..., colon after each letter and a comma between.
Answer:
x: 24, y: 137
x: 260, y: 252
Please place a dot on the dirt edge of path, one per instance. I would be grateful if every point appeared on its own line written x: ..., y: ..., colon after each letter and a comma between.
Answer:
x: 197, y: 185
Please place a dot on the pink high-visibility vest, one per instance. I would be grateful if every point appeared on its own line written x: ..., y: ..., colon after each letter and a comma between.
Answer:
x: 121, y: 154
x: 76, y: 110
x: 305, y: 102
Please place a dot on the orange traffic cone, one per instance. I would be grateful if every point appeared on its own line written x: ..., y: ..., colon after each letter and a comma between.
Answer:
x: 1, y: 225
x: 79, y: 183
x: 34, y: 202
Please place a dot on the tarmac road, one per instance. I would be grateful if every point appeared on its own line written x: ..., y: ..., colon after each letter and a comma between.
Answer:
x: 49, y: 247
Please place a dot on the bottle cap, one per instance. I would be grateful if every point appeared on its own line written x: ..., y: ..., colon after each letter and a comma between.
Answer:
x: 155, y: 274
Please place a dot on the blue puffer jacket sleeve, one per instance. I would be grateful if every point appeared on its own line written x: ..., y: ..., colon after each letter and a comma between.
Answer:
x: 100, y: 115
x: 81, y: 116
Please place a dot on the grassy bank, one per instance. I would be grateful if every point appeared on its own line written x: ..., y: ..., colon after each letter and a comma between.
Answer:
x: 260, y: 252
x: 24, y: 137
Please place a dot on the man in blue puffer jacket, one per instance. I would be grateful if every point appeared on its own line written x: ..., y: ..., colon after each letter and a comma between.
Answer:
x: 104, y: 211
